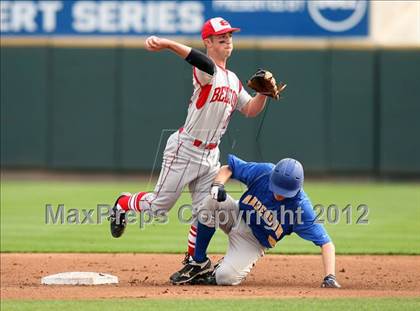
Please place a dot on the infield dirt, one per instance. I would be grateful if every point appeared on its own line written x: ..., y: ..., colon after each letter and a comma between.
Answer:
x: 146, y: 276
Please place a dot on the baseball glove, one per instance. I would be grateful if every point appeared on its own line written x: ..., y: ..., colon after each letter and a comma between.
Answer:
x: 263, y: 82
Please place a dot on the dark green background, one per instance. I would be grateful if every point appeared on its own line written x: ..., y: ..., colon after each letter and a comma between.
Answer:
x: 344, y: 111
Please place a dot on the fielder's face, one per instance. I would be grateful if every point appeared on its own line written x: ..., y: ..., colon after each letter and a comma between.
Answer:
x: 221, y: 44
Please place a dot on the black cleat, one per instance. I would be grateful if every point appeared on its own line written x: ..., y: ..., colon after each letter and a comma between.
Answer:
x: 117, y: 220
x: 208, y: 278
x: 190, y: 271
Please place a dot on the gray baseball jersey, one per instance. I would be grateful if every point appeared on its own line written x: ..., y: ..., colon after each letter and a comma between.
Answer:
x: 191, y: 156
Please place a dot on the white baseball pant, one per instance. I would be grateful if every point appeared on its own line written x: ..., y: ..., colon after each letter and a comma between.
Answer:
x: 243, y: 251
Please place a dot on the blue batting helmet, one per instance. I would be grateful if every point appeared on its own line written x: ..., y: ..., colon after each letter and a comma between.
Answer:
x: 287, y: 178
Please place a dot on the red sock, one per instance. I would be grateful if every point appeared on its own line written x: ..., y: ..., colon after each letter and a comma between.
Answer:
x: 131, y: 202
x: 192, y: 237
x: 123, y: 202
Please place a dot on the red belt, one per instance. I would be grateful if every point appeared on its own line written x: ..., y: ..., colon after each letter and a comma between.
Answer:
x: 197, y: 143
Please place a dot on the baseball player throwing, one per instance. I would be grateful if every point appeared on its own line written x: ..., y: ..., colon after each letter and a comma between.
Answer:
x: 273, y: 206
x: 191, y: 156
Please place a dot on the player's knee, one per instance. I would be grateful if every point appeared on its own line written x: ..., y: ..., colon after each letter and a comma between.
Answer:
x: 226, y: 275
x: 205, y: 210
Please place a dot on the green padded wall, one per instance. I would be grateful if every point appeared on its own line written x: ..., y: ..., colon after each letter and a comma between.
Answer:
x: 83, y: 107
x: 400, y: 112
x: 114, y: 108
x: 296, y: 126
x: 351, y: 113
x: 24, y: 107
x: 155, y: 93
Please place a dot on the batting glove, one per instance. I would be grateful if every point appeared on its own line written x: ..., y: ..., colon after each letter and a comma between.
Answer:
x: 330, y: 282
x: 218, y: 192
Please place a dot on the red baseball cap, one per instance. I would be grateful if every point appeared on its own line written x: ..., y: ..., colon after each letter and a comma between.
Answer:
x: 216, y: 26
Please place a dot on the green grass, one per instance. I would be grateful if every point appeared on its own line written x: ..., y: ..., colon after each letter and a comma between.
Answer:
x: 394, y: 219
x: 215, y: 304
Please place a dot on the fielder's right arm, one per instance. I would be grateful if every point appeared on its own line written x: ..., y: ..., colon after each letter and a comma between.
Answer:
x: 193, y: 56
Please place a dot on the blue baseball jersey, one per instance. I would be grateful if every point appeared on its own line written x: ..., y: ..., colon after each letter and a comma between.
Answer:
x: 269, y: 219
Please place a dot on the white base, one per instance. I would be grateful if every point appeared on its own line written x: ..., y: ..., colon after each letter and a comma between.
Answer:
x: 79, y: 278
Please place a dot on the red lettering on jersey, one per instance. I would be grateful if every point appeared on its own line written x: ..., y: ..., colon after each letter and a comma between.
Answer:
x: 215, y: 94
x: 224, y: 95
x: 228, y: 95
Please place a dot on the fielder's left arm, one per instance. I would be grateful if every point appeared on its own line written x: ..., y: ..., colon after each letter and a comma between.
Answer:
x: 264, y: 83
x: 254, y: 106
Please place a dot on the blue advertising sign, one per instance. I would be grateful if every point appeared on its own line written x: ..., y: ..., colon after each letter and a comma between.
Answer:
x: 302, y: 18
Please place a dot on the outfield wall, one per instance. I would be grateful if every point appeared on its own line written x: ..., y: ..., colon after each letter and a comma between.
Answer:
x: 346, y: 110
